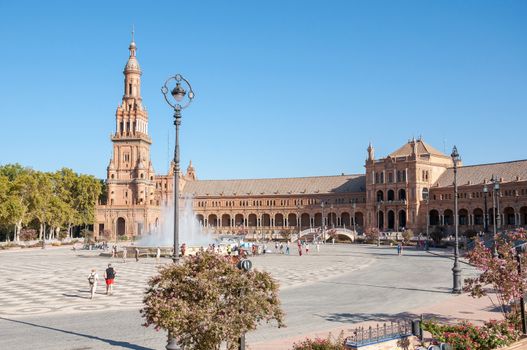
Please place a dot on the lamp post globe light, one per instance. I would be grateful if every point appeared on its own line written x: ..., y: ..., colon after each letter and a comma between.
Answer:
x: 496, y: 212
x: 426, y: 197
x: 354, y: 205
x: 323, y: 222
x: 178, y: 94
x: 520, y: 251
x: 456, y: 270
x: 379, y: 223
x: 485, y: 214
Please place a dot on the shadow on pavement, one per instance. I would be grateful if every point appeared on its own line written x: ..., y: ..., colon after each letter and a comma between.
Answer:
x: 111, y: 342
x: 441, y: 290
x: 381, y: 317
x: 74, y: 296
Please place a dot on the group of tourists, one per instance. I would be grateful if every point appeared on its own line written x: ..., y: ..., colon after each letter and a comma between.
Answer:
x: 109, y: 277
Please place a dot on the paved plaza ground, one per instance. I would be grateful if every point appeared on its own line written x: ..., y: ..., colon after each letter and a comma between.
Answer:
x: 44, y: 297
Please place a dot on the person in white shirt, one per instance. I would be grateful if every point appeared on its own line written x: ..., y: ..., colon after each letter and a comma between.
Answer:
x: 93, y: 278
x: 158, y: 254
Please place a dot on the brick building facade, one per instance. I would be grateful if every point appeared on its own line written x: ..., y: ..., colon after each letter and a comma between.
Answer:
x: 389, y: 195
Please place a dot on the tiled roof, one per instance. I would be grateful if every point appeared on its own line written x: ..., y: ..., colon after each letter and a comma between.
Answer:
x: 280, y: 186
x: 476, y: 174
x: 422, y: 148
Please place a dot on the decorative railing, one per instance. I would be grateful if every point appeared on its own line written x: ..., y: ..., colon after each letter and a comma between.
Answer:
x: 365, y: 336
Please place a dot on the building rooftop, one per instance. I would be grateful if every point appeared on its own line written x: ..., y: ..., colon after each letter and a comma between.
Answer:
x: 476, y: 174
x: 278, y: 186
x: 421, y: 148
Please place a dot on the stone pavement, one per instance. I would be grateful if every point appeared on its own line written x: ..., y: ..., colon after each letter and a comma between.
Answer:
x: 40, y: 281
x: 45, y: 293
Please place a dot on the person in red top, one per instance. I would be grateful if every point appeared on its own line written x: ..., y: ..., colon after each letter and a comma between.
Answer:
x: 109, y: 276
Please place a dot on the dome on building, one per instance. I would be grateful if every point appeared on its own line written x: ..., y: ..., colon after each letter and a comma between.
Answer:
x: 132, y: 64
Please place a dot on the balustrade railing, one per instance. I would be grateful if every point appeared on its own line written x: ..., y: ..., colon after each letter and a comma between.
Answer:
x: 362, y: 336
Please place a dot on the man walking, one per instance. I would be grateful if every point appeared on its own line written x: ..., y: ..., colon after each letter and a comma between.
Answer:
x: 158, y: 255
x: 136, y: 251
x: 124, y: 254
x: 93, y: 278
x: 109, y: 276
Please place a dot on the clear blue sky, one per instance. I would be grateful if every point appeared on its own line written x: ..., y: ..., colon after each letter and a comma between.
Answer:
x: 284, y: 88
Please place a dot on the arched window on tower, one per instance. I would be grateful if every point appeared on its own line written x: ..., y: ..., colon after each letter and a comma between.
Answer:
x: 129, y: 89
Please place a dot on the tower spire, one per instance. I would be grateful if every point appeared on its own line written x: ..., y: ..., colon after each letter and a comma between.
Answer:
x: 133, y: 32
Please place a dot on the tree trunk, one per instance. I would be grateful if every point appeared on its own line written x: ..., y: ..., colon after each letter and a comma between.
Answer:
x: 18, y: 229
x: 40, y: 229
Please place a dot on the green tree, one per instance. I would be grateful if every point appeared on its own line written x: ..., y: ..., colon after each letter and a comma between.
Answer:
x: 87, y: 192
x: 206, y: 300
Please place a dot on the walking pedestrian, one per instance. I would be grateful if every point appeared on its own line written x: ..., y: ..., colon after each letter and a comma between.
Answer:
x: 299, y: 250
x: 113, y: 251
x: 307, y: 248
x: 124, y: 254
x: 183, y: 249
x: 158, y: 254
x: 281, y: 248
x: 136, y: 252
x: 109, y: 276
x: 93, y: 278
x: 318, y: 246
x: 287, y: 248
x: 398, y: 248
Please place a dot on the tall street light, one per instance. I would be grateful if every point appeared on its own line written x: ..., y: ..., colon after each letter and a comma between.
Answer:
x: 520, y: 250
x: 354, y: 206
x: 323, y: 223
x: 178, y: 93
x: 456, y: 270
x: 298, y: 219
x: 426, y: 197
x: 496, y: 212
x: 379, y: 223
x: 485, y: 214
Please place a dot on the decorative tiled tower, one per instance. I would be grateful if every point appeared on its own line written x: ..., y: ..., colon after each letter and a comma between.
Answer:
x: 132, y: 205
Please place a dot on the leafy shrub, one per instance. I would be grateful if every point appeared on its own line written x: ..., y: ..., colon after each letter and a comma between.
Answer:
x: 321, y: 344
x: 492, y: 335
x: 372, y: 234
x: 28, y: 234
x: 407, y: 235
x: 206, y: 300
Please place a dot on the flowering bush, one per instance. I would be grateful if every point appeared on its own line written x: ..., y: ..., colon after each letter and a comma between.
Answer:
x: 372, y: 234
x: 499, y: 274
x: 466, y: 336
x: 206, y: 300
x: 321, y: 344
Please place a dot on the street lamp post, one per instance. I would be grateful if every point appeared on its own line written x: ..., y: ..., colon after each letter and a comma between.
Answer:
x: 379, y: 223
x: 426, y: 197
x: 323, y: 223
x: 520, y: 249
x: 298, y: 220
x: 178, y: 93
x: 485, y: 214
x: 456, y: 270
x: 354, y: 206
x: 332, y: 217
x: 496, y: 213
